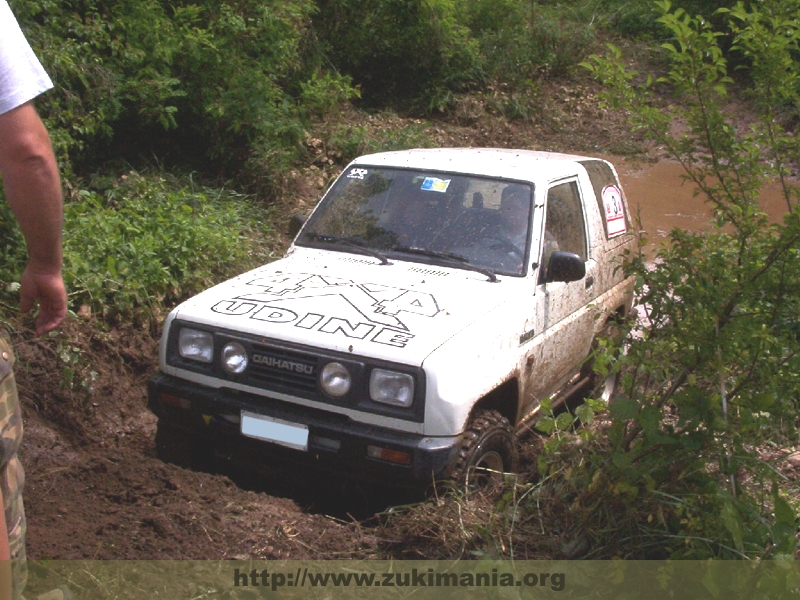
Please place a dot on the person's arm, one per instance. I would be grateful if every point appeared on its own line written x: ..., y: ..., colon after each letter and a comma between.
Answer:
x: 33, y: 190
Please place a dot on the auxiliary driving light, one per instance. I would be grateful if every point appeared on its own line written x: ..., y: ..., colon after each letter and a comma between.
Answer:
x: 234, y: 358
x: 335, y: 379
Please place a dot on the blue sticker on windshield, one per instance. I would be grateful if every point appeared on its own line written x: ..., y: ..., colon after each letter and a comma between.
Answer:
x: 434, y: 184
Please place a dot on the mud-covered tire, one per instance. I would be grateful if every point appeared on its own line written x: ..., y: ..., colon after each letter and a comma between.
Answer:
x: 489, y: 450
x: 176, y: 446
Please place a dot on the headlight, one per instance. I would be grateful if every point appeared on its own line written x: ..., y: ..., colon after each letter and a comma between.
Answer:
x: 196, y: 345
x: 390, y: 387
x: 234, y: 358
x: 335, y: 379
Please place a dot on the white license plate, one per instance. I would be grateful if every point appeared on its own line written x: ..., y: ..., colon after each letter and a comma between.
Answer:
x: 276, y: 431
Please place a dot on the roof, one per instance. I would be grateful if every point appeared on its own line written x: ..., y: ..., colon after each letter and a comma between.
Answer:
x: 524, y: 165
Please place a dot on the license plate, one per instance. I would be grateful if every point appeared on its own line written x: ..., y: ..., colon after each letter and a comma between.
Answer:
x: 276, y: 431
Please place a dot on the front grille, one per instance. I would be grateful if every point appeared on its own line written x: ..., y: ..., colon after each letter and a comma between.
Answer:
x: 288, y: 370
x: 279, y: 367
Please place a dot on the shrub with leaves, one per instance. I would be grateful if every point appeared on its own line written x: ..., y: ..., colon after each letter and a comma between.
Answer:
x: 350, y: 142
x: 710, y: 382
x: 146, y: 241
x: 222, y: 85
x: 521, y: 41
x: 401, y: 52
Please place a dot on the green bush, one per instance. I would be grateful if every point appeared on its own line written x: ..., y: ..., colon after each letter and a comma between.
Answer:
x: 350, y: 142
x: 13, y: 256
x: 634, y: 20
x: 522, y: 41
x: 400, y: 52
x: 710, y: 382
x: 209, y: 84
x: 146, y: 241
x: 230, y: 87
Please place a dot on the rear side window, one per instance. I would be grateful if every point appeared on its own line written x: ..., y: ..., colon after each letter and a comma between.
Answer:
x: 609, y: 197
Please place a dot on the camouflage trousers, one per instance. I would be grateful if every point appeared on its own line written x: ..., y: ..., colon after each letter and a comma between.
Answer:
x: 12, y: 477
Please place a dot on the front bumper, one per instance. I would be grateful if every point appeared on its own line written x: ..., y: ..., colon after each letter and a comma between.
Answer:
x: 335, y: 441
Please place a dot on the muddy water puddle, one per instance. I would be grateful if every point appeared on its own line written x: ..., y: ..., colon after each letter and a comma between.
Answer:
x: 666, y: 201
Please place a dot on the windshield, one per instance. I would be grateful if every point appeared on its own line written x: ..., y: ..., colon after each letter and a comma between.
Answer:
x: 456, y: 219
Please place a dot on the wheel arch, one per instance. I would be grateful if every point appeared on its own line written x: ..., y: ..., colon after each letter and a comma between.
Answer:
x: 504, y: 399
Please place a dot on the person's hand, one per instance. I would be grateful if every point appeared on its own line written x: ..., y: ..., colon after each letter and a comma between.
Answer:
x: 49, y: 290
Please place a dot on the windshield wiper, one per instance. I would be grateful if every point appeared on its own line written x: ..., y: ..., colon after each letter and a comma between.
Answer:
x: 461, y: 261
x: 352, y: 243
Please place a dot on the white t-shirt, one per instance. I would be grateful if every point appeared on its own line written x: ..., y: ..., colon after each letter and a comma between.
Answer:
x: 22, y: 76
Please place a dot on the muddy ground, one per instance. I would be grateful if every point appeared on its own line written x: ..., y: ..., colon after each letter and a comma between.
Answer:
x: 95, y: 488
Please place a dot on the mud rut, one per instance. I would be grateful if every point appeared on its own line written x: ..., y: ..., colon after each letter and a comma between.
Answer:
x: 96, y: 490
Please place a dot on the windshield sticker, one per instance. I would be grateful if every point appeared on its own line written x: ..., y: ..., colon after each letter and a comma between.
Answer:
x: 615, y: 211
x: 357, y: 173
x: 434, y: 184
x: 372, y: 312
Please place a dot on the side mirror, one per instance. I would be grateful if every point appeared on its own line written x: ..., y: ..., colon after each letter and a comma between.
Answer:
x: 296, y: 224
x: 565, y: 266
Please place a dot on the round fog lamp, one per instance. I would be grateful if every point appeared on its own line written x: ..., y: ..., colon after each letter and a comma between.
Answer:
x: 234, y: 358
x: 335, y: 379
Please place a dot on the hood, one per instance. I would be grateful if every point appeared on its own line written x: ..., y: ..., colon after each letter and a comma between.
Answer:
x: 400, y: 312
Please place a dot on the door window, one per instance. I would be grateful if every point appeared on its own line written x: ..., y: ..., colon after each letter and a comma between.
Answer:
x: 565, y: 229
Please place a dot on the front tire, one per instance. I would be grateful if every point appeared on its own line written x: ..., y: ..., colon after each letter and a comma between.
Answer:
x: 488, y: 451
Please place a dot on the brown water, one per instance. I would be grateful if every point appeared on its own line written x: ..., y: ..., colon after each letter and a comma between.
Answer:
x: 666, y: 201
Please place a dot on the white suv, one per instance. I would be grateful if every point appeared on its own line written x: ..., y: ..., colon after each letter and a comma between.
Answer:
x: 427, y: 305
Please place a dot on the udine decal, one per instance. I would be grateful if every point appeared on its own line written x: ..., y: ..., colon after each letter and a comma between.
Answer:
x: 332, y: 305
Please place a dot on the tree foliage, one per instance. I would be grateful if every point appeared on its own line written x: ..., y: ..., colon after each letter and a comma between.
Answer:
x: 229, y: 87
x: 185, y: 80
x: 711, y: 380
x: 399, y: 51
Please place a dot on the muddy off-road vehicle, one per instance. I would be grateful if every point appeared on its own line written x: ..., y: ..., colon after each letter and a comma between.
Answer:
x: 426, y: 306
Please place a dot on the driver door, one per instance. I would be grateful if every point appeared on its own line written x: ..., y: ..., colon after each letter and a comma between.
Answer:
x: 564, y: 321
